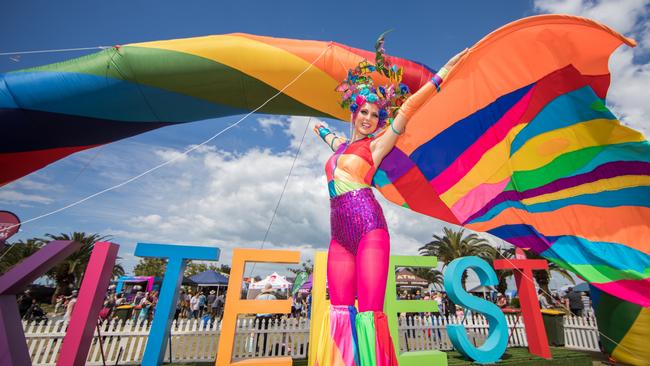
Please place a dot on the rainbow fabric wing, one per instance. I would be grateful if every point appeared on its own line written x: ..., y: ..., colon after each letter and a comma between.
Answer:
x: 519, y: 144
x: 52, y: 111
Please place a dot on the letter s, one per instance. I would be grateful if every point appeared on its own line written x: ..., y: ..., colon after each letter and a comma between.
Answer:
x: 497, y: 341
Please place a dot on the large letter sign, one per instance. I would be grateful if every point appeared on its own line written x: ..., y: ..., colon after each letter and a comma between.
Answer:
x: 13, y: 347
x: 394, y: 306
x: 178, y: 256
x: 533, y: 322
x: 79, y: 334
x: 497, y: 341
x: 235, y: 306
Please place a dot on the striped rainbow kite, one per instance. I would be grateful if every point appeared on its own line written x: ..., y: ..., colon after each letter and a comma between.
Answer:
x: 519, y: 142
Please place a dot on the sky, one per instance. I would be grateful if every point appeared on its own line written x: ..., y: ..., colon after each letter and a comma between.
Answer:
x: 224, y: 194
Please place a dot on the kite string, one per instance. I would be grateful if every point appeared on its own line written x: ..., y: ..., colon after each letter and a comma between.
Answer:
x: 54, y: 50
x: 277, y: 205
x: 173, y: 159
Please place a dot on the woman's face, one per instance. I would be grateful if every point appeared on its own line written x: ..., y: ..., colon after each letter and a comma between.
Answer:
x: 366, y: 119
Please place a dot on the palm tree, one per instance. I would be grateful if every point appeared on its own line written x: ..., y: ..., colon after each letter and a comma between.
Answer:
x: 12, y: 254
x: 433, y: 276
x: 543, y: 278
x: 455, y: 244
x: 503, y: 274
x: 69, y: 272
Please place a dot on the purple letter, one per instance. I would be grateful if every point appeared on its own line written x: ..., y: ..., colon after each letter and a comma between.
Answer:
x: 13, y: 346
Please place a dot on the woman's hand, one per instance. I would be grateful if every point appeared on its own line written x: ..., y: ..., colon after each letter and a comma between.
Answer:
x: 316, y: 127
x: 454, y: 60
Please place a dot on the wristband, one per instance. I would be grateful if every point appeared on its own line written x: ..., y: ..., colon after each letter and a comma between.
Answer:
x: 323, y: 131
x: 332, y: 142
x: 436, y: 80
x: 395, y: 131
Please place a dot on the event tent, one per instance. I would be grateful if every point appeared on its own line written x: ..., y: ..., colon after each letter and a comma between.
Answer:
x: 278, y: 282
x: 209, y: 279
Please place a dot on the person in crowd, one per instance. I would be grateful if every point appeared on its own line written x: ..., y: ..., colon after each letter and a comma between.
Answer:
x: 24, y: 303
x: 145, y: 308
x: 308, y: 302
x: 72, y: 301
x: 574, y: 300
x: 59, y: 303
x: 264, y: 319
x: 217, y: 306
x: 543, y: 302
x: 185, y: 305
x: 586, y: 303
x: 202, y: 302
x: 195, y: 307
x: 212, y: 295
x: 120, y: 299
x: 502, y: 301
x: 179, y: 306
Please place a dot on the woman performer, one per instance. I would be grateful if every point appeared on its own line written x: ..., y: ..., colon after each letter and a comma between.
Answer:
x: 359, y: 250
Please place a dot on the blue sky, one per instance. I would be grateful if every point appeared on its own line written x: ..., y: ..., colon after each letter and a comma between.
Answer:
x: 224, y: 194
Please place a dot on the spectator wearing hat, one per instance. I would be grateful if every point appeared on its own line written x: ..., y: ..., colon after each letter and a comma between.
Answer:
x: 264, y: 319
x: 72, y: 301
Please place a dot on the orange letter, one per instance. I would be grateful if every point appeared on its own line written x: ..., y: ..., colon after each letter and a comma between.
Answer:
x: 235, y: 306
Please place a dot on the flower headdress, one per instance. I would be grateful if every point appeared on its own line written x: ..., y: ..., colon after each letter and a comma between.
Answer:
x: 359, y: 87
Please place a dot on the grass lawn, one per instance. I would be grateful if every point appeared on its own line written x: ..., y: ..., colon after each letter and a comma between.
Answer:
x: 513, y: 356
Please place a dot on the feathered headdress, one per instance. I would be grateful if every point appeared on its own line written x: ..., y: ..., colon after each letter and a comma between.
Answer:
x: 359, y: 87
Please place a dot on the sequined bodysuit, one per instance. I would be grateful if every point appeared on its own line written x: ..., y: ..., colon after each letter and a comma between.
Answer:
x: 354, y: 209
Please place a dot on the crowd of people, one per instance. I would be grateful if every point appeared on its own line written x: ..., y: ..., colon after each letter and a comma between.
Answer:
x: 195, y: 304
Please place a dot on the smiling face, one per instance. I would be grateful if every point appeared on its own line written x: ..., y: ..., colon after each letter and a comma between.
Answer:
x: 366, y: 119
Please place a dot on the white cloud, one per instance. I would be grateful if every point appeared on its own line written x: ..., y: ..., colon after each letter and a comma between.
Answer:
x: 268, y: 123
x: 15, y: 197
x: 628, y: 94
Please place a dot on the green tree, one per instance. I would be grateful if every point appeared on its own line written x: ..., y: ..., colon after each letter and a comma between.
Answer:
x: 148, y: 266
x: 306, y: 266
x: 503, y: 274
x: 69, y: 273
x: 433, y: 276
x: 224, y: 268
x: 194, y: 268
x: 543, y: 278
x: 455, y: 244
x: 14, y: 253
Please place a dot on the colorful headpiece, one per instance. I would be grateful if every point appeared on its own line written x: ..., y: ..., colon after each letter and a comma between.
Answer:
x: 359, y: 87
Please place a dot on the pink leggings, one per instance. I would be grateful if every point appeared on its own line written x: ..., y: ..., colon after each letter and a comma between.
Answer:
x: 363, y: 276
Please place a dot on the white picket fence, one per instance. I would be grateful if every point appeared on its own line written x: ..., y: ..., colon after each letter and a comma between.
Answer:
x: 196, y: 341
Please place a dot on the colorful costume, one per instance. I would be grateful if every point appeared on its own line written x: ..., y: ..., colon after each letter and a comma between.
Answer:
x: 359, y: 240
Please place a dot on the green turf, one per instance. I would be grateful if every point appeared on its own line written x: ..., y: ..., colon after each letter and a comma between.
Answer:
x: 512, y: 357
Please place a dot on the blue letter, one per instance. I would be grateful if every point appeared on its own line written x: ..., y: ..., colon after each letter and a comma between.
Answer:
x: 497, y: 341
x: 162, y: 320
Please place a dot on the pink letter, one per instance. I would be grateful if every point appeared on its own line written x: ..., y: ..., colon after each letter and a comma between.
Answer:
x: 76, y: 343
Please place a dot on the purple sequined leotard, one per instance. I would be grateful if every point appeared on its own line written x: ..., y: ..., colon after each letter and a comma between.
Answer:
x: 354, y: 209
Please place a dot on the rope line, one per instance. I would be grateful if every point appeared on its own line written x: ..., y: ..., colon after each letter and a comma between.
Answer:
x: 286, y: 182
x: 53, y: 50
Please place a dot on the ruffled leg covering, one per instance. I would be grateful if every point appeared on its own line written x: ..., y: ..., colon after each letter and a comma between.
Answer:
x: 337, y: 343
x: 375, y: 343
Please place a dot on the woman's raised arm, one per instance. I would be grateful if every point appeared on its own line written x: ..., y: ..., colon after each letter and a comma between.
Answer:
x: 328, y: 136
x: 385, y: 142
